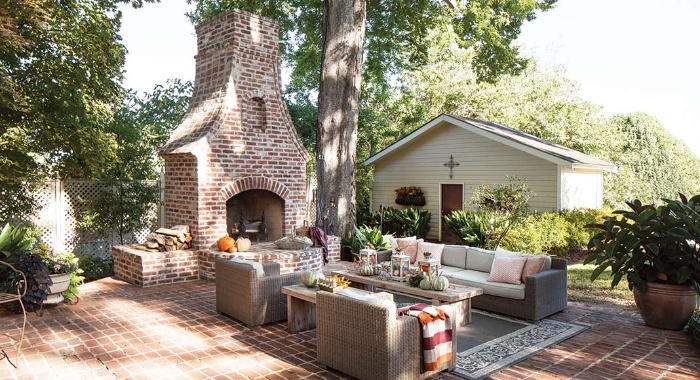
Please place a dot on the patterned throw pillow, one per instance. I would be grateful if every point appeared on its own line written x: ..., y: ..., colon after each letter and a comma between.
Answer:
x: 409, y: 247
x: 533, y: 265
x: 434, y: 249
x: 507, y: 270
x: 395, y: 242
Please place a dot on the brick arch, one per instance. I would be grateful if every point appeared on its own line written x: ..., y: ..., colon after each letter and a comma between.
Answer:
x: 254, y: 183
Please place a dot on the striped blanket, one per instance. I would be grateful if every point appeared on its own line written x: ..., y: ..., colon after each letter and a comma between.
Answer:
x: 437, y: 334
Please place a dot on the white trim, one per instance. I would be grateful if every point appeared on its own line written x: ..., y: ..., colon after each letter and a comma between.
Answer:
x: 559, y: 189
x: 439, y: 210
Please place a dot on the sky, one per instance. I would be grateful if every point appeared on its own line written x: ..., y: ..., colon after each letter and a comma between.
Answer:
x: 626, y: 55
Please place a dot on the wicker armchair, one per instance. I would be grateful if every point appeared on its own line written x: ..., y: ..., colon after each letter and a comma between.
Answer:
x: 252, y: 299
x: 368, y: 341
x: 12, y: 297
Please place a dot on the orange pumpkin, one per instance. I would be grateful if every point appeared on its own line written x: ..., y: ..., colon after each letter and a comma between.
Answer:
x: 225, y: 243
x: 232, y: 249
x: 243, y: 244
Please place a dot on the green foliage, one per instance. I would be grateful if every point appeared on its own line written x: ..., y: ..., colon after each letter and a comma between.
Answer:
x: 694, y: 328
x: 506, y: 204
x: 650, y: 244
x: 362, y: 237
x: 60, y: 81
x: 14, y: 240
x: 123, y: 207
x: 38, y: 280
x: 95, y: 268
x: 475, y: 229
x: 652, y: 164
x: 407, y: 222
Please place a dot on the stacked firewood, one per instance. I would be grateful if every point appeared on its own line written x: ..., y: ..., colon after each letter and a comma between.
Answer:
x: 168, y: 239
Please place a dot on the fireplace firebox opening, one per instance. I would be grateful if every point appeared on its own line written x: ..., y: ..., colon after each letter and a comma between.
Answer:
x: 251, y: 205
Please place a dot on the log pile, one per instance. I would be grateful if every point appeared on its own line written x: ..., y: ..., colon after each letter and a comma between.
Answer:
x: 168, y: 239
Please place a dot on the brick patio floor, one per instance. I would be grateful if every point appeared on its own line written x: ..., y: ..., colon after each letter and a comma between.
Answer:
x: 120, y: 331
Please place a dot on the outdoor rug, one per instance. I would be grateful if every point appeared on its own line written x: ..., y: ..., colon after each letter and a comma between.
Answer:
x: 493, y: 342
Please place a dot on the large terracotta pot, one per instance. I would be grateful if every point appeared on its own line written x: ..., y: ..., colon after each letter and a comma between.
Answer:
x: 665, y: 306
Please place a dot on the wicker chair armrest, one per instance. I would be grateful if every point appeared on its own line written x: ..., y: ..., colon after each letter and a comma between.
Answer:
x: 548, y: 284
x: 233, y: 273
x: 271, y: 269
x: 559, y: 263
x: 384, y: 255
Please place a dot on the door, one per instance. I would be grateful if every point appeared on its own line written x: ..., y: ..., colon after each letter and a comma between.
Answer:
x: 451, y: 200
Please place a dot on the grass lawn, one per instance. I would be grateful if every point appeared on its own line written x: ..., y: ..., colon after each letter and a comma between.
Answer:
x: 581, y: 289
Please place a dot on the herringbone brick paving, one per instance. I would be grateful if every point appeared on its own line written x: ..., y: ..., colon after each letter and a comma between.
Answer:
x: 120, y: 331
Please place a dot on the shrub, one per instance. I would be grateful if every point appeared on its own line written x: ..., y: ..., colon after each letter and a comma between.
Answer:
x: 95, y: 268
x: 555, y: 233
x: 402, y: 223
x: 476, y: 229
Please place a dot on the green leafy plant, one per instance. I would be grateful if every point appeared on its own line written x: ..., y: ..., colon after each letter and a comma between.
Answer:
x: 506, y: 203
x: 38, y: 280
x: 14, y: 239
x: 407, y: 222
x: 95, y: 268
x: 362, y: 236
x: 62, y: 263
x: 650, y: 244
x: 476, y: 229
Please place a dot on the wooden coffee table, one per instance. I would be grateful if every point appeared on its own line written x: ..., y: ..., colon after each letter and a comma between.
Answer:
x: 458, y: 296
x: 301, y: 306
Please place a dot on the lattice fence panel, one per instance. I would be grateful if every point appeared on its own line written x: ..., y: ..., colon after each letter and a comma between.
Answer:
x: 311, y: 185
x: 63, y: 203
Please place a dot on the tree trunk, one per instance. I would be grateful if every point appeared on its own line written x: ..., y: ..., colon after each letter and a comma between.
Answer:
x: 343, y: 30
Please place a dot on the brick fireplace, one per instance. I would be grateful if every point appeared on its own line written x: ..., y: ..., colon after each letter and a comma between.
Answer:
x: 235, y: 153
x: 236, y: 145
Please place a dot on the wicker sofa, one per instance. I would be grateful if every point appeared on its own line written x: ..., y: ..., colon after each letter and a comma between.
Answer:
x: 251, y: 292
x: 367, y: 340
x: 541, y: 295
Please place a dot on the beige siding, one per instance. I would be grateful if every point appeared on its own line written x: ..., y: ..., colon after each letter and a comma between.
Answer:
x: 481, y: 161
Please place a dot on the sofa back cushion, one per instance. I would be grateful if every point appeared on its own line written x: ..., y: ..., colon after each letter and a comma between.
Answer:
x: 435, y: 250
x: 479, y: 259
x: 455, y: 256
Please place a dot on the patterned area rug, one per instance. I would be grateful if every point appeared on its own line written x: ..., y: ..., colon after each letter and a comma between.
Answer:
x: 478, y: 362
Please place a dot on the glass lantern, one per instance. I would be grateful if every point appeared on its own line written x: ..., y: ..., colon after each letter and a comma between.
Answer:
x: 369, y: 255
x: 400, y: 265
x: 429, y: 267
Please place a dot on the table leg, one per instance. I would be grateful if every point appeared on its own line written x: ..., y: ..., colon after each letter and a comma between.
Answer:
x: 301, y: 315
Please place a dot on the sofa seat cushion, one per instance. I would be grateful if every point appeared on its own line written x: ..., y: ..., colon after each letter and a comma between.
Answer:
x: 455, y: 256
x: 446, y: 270
x: 478, y: 279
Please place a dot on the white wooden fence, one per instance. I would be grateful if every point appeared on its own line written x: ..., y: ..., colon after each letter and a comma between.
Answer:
x: 62, y: 202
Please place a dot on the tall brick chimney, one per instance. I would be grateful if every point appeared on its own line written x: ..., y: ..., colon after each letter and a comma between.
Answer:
x: 236, y: 144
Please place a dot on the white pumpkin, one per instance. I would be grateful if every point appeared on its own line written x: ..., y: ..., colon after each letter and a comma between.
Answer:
x: 440, y: 283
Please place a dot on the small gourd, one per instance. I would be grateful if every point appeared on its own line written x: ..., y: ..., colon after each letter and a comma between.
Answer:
x: 425, y: 283
x: 225, y: 243
x: 366, y: 268
x: 310, y: 277
x: 233, y: 249
x: 440, y: 283
x: 243, y: 244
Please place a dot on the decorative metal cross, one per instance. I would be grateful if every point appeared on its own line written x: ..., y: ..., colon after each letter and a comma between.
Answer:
x: 451, y: 164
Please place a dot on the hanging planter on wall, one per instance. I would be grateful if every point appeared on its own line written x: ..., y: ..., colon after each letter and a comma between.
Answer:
x: 410, y: 196
x: 411, y: 200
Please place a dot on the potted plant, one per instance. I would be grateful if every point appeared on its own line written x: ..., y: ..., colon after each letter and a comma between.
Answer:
x: 64, y: 272
x: 657, y: 250
x: 409, y: 196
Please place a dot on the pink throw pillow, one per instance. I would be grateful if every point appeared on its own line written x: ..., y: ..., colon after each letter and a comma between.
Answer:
x: 409, y: 247
x: 434, y: 249
x: 507, y: 270
x: 533, y: 265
